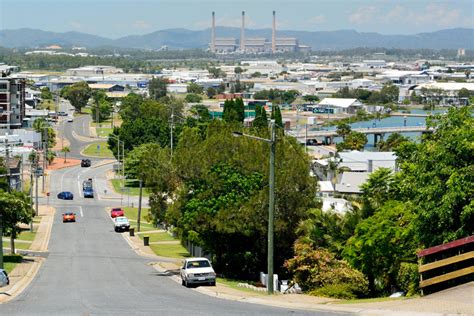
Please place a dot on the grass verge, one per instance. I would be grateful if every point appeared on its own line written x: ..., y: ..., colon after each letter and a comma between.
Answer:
x: 233, y: 284
x: 132, y: 214
x: 130, y: 188
x: 103, y: 152
x: 160, y: 236
x: 22, y: 246
x: 369, y: 300
x: 170, y: 250
x: 10, y: 261
x: 103, y: 131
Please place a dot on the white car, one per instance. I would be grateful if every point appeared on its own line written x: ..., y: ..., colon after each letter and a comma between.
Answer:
x: 197, y: 271
x: 4, y: 280
x: 70, y: 119
x: 121, y: 223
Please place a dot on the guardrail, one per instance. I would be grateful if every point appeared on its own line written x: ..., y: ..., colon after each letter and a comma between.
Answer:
x: 446, y: 265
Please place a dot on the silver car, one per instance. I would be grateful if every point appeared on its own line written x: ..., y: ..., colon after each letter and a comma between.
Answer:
x: 4, y: 279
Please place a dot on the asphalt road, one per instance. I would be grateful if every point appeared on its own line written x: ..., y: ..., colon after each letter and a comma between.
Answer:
x: 91, y: 270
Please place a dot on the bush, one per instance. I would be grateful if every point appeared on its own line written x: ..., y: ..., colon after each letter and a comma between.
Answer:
x: 193, y: 98
x: 408, y: 278
x: 343, y: 291
x: 314, y: 269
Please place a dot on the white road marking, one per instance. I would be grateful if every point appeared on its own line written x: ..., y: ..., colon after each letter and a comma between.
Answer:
x: 82, y: 213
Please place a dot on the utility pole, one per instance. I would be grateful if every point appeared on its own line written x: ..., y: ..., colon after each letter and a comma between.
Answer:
x: 139, y: 204
x: 271, y: 208
x: 172, y: 123
x: 45, y: 153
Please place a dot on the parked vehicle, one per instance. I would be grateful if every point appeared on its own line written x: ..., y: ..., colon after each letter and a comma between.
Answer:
x: 4, y: 279
x: 69, y: 217
x: 85, y: 163
x: 88, y: 193
x: 197, y: 271
x: 116, y: 212
x: 121, y: 224
x: 70, y: 119
x: 65, y: 195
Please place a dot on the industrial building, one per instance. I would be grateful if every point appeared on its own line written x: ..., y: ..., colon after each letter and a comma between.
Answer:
x: 253, y: 45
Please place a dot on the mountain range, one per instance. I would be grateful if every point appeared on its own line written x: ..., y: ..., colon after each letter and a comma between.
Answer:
x: 187, y: 39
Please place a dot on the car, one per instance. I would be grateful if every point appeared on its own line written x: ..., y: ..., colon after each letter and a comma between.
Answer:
x: 62, y: 113
x: 4, y: 279
x: 197, y: 271
x: 70, y: 119
x: 85, y: 163
x: 121, y: 223
x: 88, y: 193
x: 65, y: 195
x: 69, y: 217
x: 87, y: 184
x: 116, y: 212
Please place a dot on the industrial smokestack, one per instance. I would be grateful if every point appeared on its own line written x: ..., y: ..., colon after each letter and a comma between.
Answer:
x: 242, y: 33
x: 273, y: 34
x: 213, y: 33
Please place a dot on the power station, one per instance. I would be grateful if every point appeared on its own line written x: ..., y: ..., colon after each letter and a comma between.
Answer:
x: 253, y: 45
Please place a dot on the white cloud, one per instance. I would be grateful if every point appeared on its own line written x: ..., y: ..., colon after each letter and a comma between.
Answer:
x: 363, y: 15
x: 75, y: 25
x: 318, y: 19
x: 436, y: 14
x: 142, y: 25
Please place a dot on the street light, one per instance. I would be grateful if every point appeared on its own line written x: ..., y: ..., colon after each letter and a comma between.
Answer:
x: 271, y: 202
x: 118, y: 156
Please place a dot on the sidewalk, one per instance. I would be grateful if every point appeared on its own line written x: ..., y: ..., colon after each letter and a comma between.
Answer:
x: 24, y: 272
x: 459, y: 301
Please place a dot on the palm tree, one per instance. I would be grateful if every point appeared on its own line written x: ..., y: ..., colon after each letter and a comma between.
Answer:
x: 65, y: 150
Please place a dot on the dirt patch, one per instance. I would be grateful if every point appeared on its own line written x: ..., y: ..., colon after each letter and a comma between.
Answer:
x: 58, y: 163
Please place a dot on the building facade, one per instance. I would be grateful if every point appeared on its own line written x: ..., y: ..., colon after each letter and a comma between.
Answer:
x: 12, y: 103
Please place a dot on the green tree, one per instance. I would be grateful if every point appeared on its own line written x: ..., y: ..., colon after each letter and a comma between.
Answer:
x: 15, y: 208
x: 276, y: 115
x: 211, y: 92
x: 464, y: 93
x: 343, y: 129
x: 102, y: 107
x: 438, y: 177
x: 194, y: 88
x: 380, y: 243
x: 78, y: 94
x: 353, y: 141
x: 157, y: 87
x: 193, y: 98
x: 380, y: 187
x: 240, y: 109
x: 311, y: 98
x: 389, y: 93
x: 392, y: 142
x: 46, y: 94
x: 230, y: 112
x: 65, y: 150
x: 261, y: 119
x: 201, y: 112
x: 40, y: 125
x: 238, y: 70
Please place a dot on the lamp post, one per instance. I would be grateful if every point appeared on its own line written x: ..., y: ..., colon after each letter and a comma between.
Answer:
x: 271, y: 201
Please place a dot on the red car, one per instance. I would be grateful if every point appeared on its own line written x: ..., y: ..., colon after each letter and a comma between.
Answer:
x: 116, y: 212
x: 69, y: 217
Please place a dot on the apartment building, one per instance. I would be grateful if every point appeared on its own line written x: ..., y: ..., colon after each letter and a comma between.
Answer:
x: 12, y: 103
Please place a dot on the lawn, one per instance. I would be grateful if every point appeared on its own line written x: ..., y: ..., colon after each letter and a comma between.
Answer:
x: 129, y: 189
x: 10, y: 261
x: 170, y: 251
x: 6, y: 244
x: 161, y: 236
x: 103, y: 152
x: 47, y: 105
x: 27, y: 235
x: 132, y: 214
x: 104, y: 131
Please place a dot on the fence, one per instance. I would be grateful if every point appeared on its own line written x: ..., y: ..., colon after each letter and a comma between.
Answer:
x: 446, y: 265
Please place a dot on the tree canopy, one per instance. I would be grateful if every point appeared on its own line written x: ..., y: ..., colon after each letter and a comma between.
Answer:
x: 78, y: 94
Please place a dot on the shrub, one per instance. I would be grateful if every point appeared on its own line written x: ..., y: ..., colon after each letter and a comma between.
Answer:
x: 343, y: 291
x: 314, y: 269
x: 408, y: 278
x: 193, y: 98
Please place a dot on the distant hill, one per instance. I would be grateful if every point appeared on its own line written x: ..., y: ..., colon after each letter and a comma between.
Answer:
x: 184, y: 39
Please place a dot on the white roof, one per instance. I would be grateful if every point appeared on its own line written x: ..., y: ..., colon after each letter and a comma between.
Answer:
x: 325, y: 186
x: 359, y: 160
x: 340, y: 102
x: 334, y: 204
x: 351, y: 182
x: 447, y: 85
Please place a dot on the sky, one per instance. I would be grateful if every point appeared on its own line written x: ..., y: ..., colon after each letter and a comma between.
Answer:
x: 117, y: 18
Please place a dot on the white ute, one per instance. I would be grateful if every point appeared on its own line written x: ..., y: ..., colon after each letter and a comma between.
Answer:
x: 197, y: 271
